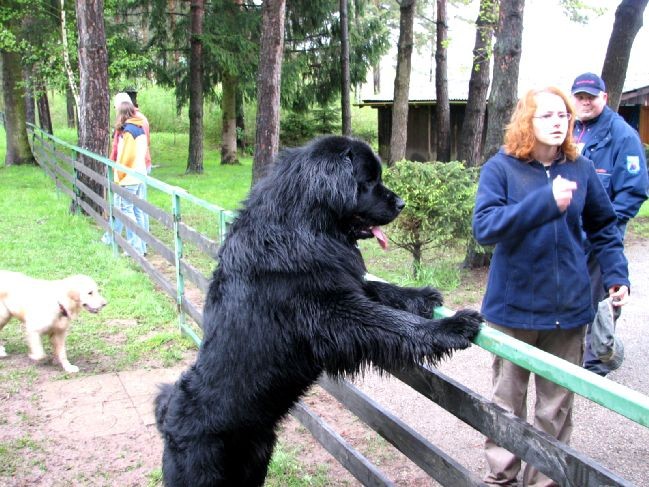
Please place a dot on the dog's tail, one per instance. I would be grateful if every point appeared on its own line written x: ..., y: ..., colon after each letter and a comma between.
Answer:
x: 162, y: 403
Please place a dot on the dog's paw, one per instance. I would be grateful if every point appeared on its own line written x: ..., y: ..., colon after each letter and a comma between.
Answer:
x: 465, y: 322
x: 37, y: 357
x: 432, y: 296
x: 3, y: 352
x: 71, y: 369
x: 426, y: 299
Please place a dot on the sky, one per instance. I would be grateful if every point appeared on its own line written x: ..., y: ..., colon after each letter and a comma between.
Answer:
x: 555, y: 50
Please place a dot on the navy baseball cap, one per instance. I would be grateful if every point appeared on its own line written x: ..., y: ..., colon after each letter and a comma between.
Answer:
x: 588, y: 83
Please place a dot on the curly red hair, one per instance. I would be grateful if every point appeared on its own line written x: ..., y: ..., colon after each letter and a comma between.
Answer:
x: 519, y: 134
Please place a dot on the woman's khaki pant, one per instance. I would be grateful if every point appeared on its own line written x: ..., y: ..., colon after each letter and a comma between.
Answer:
x: 553, y: 408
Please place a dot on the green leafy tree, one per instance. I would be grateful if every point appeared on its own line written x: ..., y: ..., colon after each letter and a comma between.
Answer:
x: 311, y: 73
x: 12, y: 45
x: 439, y: 199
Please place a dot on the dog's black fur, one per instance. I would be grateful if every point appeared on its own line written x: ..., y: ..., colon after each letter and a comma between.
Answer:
x: 288, y: 301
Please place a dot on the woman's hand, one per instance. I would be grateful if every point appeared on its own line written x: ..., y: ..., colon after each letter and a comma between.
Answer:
x: 619, y: 295
x: 562, y: 191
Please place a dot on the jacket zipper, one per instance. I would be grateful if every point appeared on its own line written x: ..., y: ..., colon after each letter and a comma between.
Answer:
x: 556, y: 255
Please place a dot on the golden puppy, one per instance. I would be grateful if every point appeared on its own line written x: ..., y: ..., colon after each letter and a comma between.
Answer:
x: 46, y: 307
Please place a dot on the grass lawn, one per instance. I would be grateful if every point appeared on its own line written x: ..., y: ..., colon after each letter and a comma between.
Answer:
x: 39, y: 237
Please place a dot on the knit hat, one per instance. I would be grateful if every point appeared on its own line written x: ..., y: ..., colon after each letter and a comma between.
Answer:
x: 121, y: 98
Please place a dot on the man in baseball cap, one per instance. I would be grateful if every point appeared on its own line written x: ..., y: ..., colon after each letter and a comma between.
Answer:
x: 588, y: 83
x: 614, y: 146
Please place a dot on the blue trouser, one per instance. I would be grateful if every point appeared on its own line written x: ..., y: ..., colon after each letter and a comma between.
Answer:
x: 142, y: 217
x: 598, y: 293
x: 131, y: 211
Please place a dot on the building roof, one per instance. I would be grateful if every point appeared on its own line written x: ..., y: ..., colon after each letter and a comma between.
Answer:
x: 638, y: 96
x: 425, y: 94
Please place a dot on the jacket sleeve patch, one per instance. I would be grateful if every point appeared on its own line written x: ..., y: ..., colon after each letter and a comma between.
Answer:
x: 633, y: 164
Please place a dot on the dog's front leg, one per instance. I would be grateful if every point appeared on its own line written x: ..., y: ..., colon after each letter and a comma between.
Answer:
x: 58, y: 343
x: 360, y: 332
x: 417, y: 300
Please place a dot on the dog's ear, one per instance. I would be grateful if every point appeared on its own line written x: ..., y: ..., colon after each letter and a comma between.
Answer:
x: 70, y: 296
x: 333, y: 184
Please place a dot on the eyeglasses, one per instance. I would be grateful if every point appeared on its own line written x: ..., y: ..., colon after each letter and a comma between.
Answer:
x: 547, y: 117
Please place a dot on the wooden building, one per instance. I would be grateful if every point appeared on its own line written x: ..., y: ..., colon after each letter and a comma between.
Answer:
x: 634, y: 107
x: 422, y: 134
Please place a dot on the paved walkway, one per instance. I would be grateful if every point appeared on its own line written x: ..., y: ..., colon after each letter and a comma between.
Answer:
x: 106, y: 404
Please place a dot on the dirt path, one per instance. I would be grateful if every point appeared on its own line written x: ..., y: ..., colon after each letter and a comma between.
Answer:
x: 98, y: 430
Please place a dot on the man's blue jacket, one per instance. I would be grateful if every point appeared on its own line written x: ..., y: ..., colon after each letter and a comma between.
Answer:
x: 538, y: 278
x: 619, y: 157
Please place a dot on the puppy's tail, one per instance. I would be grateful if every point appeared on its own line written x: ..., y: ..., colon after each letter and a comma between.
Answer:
x: 162, y: 403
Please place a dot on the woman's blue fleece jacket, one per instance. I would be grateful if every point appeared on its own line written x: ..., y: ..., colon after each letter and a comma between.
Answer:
x: 538, y: 278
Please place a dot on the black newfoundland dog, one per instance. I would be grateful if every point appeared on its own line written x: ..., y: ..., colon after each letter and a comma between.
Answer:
x: 289, y: 301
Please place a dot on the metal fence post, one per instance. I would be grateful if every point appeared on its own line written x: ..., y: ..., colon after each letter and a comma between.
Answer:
x: 110, y: 198
x: 178, y: 246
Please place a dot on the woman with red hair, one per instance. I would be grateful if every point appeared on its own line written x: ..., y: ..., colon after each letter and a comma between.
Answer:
x: 536, y: 198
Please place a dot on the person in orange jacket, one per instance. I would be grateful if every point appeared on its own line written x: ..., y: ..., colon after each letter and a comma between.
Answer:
x: 131, y: 153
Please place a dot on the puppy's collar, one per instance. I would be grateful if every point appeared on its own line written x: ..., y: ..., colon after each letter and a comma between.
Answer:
x: 64, y: 312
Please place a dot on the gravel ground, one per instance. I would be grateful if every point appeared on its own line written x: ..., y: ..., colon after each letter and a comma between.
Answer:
x: 616, y: 442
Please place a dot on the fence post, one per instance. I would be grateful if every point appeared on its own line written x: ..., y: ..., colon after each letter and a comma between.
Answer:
x: 110, y: 198
x: 77, y: 192
x: 221, y: 226
x: 178, y: 246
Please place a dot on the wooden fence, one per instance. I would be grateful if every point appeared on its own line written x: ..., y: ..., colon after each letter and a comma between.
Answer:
x: 555, y: 459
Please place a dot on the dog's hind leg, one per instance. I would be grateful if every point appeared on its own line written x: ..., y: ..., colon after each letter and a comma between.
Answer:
x: 5, y: 316
x: 36, y: 351
x: 248, y: 456
x: 58, y: 343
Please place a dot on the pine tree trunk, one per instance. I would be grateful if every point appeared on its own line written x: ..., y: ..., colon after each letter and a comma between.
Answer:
x: 345, y: 82
x: 628, y: 20
x: 507, y: 57
x: 399, y: 135
x: 268, y: 86
x: 229, y: 120
x: 241, y: 121
x: 18, y: 150
x: 443, y: 109
x: 470, y: 143
x: 69, y: 109
x: 376, y: 78
x: 195, y: 157
x: 44, y: 117
x: 30, y: 103
x: 93, y: 92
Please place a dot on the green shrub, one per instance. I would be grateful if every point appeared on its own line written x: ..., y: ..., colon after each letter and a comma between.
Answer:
x: 439, y: 200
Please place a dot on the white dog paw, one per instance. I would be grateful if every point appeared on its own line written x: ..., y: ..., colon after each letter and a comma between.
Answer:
x: 3, y: 352
x: 37, y: 357
x: 72, y: 369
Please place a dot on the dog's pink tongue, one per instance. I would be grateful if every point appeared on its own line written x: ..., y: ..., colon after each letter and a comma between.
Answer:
x: 380, y: 236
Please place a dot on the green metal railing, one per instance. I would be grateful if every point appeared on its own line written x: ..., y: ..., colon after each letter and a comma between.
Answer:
x: 603, y: 391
